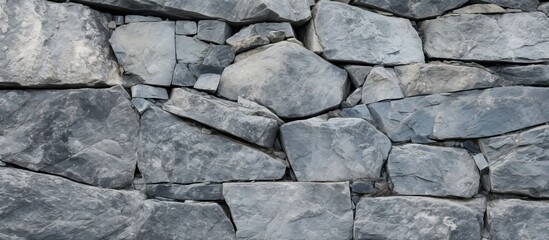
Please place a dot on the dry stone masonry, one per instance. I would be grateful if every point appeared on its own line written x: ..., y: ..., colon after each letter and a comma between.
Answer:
x: 274, y: 119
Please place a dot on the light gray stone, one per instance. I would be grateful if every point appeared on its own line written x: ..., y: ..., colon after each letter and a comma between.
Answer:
x: 118, y: 19
x: 337, y: 149
x: 242, y: 40
x: 290, y: 210
x: 346, y: 34
x: 544, y: 8
x: 88, y: 135
x: 276, y: 36
x: 213, y: 31
x: 534, y: 74
x: 357, y: 74
x: 219, y: 56
x: 433, y: 171
x: 381, y: 84
x: 141, y: 104
x: 46, y: 44
x: 414, y: 9
x: 146, y: 50
x: 245, y: 44
x: 197, y: 192
x: 145, y: 91
x: 139, y: 18
x: 241, y: 56
x: 245, y: 122
x: 480, y: 8
x: 208, y: 83
x: 310, y: 38
x: 280, y: 74
x: 182, y: 76
x: 478, y: 37
x: 186, y: 28
x: 481, y: 162
x: 518, y: 219
x: 359, y: 111
x: 526, y: 5
x: 353, y: 99
x: 190, y: 50
x: 402, y: 218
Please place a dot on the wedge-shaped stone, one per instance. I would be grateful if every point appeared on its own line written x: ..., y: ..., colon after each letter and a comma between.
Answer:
x: 46, y: 44
x: 499, y: 37
x: 346, y: 34
x: 176, y: 151
x: 290, y: 210
x: 249, y: 124
x: 88, y: 135
x: 260, y: 30
x: 533, y: 74
x: 518, y: 219
x: 288, y: 79
x: 415, y: 9
x: 198, y: 192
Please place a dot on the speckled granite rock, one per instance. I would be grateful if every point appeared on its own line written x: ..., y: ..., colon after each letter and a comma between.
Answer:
x: 414, y: 9
x: 518, y: 219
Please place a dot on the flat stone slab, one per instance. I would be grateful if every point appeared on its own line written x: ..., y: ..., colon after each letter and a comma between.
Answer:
x: 290, y: 210
x: 497, y: 37
x: 46, y: 44
x: 526, y: 5
x: 146, y: 91
x: 381, y: 84
x: 533, y: 74
x: 258, y: 30
x: 88, y: 135
x: 518, y: 219
x: 415, y: 9
x: 190, y: 50
x: 197, y: 192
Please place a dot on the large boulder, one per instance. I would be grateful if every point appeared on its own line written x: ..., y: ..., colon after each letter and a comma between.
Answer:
x: 518, y: 219
x: 415, y: 9
x: 288, y: 79
x: 478, y: 37
x: 46, y: 44
x: 88, y: 135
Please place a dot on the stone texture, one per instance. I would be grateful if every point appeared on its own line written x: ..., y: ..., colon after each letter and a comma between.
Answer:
x: 175, y: 151
x: 190, y: 50
x: 480, y: 8
x: 359, y: 111
x: 478, y: 37
x: 145, y: 91
x: 248, y: 43
x: 182, y: 76
x: 141, y: 104
x: 346, y: 34
x: 418, y: 218
x: 310, y: 39
x: 139, y: 18
x: 45, y: 44
x: 535, y: 74
x: 197, y: 192
x: 198, y: 69
x: 518, y: 219
x: 414, y: 9
x: 433, y: 171
x: 213, y: 31
x: 353, y: 99
x: 244, y: 122
x: 526, y: 5
x: 290, y: 210
x: 259, y: 31
x: 357, y: 74
x: 544, y: 8
x: 88, y: 135
x: 280, y: 74
x: 381, y: 84
x: 207, y: 83
x: 186, y: 28
x: 146, y: 50
x: 219, y: 56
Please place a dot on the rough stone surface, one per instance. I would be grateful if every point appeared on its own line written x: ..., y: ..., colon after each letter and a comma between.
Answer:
x: 176, y: 151
x: 359, y: 111
x: 544, y: 8
x: 45, y: 44
x: 346, y: 35
x: 186, y: 28
x: 190, y: 50
x: 139, y: 18
x: 182, y: 76
x: 310, y: 39
x: 141, y: 104
x: 478, y: 37
x: 381, y: 84
x: 260, y: 30
x: 480, y: 8
x: 417, y: 218
x: 353, y: 99
x: 280, y: 74
x: 219, y: 56
x: 88, y: 135
x: 207, y: 83
x: 198, y: 69
x: 213, y: 31
x: 145, y: 91
x: 248, y: 43
x: 526, y: 5
x: 414, y: 9
x: 197, y: 192
x: 535, y: 74
x: 518, y: 219
x: 290, y: 210
x: 146, y: 50
x: 357, y: 74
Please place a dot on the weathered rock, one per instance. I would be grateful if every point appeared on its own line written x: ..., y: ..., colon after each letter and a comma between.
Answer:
x: 276, y: 36
x: 219, y: 56
x: 176, y: 151
x: 249, y: 43
x: 433, y: 171
x: 139, y: 18
x: 359, y: 111
x: 146, y: 50
x: 244, y: 122
x: 535, y: 74
x: 470, y: 114
x: 45, y: 44
x: 353, y: 99
x: 88, y: 135
x: 141, y: 104
x: 190, y: 50
x: 519, y: 163
x: 50, y: 207
x: 241, y: 56
x: 357, y: 74
x: 346, y: 34
x: 310, y: 39
x: 258, y: 32
x: 480, y: 8
x: 118, y: 19
x: 186, y: 28
x: 481, y: 162
x: 198, y: 192
x: 145, y: 91
x: 182, y: 76
x: 544, y: 8
x: 279, y: 75
x: 381, y: 84
x: 290, y: 210
x: 527, y: 5
x: 338, y: 149
x: 439, y: 77
x: 213, y: 31
x: 418, y: 218
x: 415, y: 9
x: 479, y: 37
x: 198, y: 69
x: 518, y: 219
x: 207, y: 83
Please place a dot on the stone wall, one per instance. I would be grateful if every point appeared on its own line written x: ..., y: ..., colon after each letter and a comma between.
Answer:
x: 274, y: 119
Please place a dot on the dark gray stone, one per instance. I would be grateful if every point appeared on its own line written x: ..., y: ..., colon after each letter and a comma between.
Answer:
x: 145, y: 91
x: 118, y: 19
x: 526, y: 5
x: 359, y: 111
x: 213, y: 31
x: 242, y: 40
x: 190, y: 50
x: 186, y: 28
x: 197, y: 192
x: 357, y: 74
x: 535, y: 74
x: 182, y: 76
x: 245, y: 44
x: 381, y: 84
x: 511, y: 219
x: 141, y: 104
x: 208, y: 83
x: 198, y: 69
x: 219, y: 56
x: 139, y: 18
x: 88, y: 135
x: 415, y: 9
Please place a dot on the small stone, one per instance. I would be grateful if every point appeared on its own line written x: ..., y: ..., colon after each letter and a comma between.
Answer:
x: 219, y: 56
x: 416, y: 9
x: 190, y: 50
x: 198, y: 192
x: 359, y: 111
x: 544, y: 8
x: 141, y: 104
x: 353, y: 99
x: 381, y: 84
x: 118, y: 19
x: 186, y: 28
x: 533, y: 74
x: 276, y: 36
x: 112, y: 25
x: 200, y: 69
x: 310, y: 38
x: 363, y: 187
x: 256, y: 34
x: 357, y: 74
x: 213, y: 31
x: 139, y: 18
x: 245, y: 44
x: 526, y: 5
x: 182, y: 76
x: 481, y: 162
x: 145, y: 91
x: 480, y: 8
x: 208, y: 83
x: 510, y: 219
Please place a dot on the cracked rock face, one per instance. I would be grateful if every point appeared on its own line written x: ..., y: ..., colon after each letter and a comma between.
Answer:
x: 518, y: 219
x: 414, y: 9
x: 88, y: 135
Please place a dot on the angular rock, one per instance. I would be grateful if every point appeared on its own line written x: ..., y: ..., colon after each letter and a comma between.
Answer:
x: 145, y: 91
x: 478, y: 37
x: 346, y: 34
x: 415, y: 9
x: 207, y: 83
x: 338, y: 149
x: 245, y: 44
x: 544, y: 8
x: 213, y: 31
x: 363, y: 187
x: 146, y: 50
x: 518, y: 219
x: 359, y: 111
x: 526, y: 5
x: 175, y: 151
x: 353, y: 99
x: 46, y: 44
x: 241, y: 121
x: 186, y: 28
x: 480, y: 8
x: 219, y: 56
x: 481, y: 162
x: 290, y: 210
x: 197, y: 192
x: 182, y: 76
x: 534, y: 74
x: 259, y: 31
x: 198, y: 69
x: 310, y: 39
x: 139, y: 18
x: 433, y: 171
x: 519, y: 163
x: 276, y: 36
x: 141, y: 104
x: 190, y: 50
x: 279, y: 75
x: 88, y: 135
x: 381, y: 84
x: 357, y: 74
x: 118, y: 19
x: 243, y: 55
x: 418, y: 218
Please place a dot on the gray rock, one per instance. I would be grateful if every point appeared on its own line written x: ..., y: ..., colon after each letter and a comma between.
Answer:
x: 88, y: 135
x: 337, y: 149
x: 359, y: 111
x: 519, y: 163
x: 480, y: 8
x: 245, y: 44
x: 357, y: 74
x: 363, y: 187
x: 46, y: 44
x: 219, y: 56
x: 190, y: 50
x: 255, y: 35
x: 381, y: 84
x: 50, y: 207
x: 353, y: 99
x: 198, y: 192
x: 526, y: 5
x: 544, y: 8
x: 414, y: 9
x: 534, y: 74
x: 440, y: 77
x: 417, y: 218
x: 111, y: 25
x: 241, y: 56
x: 213, y: 31
x: 118, y: 19
x: 145, y: 91
x: 207, y: 83
x: 175, y: 151
x: 433, y: 171
x: 464, y: 115
x: 290, y: 210
x: 198, y: 69
x: 276, y: 36
x: 139, y: 18
x: 182, y: 76
x: 141, y: 105
x: 310, y: 38
x: 244, y: 122
x: 186, y: 28
x: 481, y: 162
x: 280, y: 74
x: 346, y: 35
x: 478, y: 37
x: 146, y: 50
x: 518, y: 219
